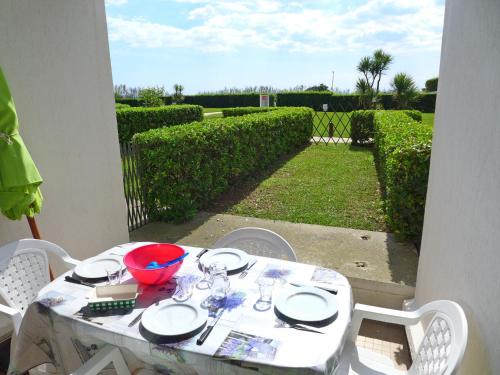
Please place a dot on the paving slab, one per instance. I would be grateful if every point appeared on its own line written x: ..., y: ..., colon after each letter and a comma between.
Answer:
x: 370, y: 257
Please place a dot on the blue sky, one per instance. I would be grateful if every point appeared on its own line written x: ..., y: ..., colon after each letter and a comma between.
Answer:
x: 207, y: 45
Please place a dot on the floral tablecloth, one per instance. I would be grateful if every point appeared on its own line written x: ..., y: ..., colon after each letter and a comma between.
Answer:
x: 54, y: 330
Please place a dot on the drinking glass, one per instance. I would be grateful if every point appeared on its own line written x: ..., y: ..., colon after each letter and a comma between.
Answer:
x: 184, y: 290
x: 219, y: 285
x: 204, y: 283
x: 114, y: 276
x: 266, y: 286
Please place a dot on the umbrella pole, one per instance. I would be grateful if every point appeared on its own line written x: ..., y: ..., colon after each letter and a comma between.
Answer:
x: 36, y: 235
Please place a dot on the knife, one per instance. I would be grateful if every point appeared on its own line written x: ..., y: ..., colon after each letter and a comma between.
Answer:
x: 332, y: 291
x: 200, y: 255
x: 70, y: 279
x: 207, y: 331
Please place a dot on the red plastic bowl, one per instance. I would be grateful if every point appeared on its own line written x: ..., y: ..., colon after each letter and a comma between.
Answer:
x: 137, y: 260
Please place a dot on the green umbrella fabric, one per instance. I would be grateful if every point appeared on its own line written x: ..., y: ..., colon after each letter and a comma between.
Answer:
x: 19, y: 178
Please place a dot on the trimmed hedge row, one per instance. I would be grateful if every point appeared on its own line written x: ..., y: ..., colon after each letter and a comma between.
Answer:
x: 226, y: 100
x: 135, y: 120
x: 188, y: 166
x: 362, y: 129
x: 425, y: 102
x: 241, y: 111
x: 402, y: 154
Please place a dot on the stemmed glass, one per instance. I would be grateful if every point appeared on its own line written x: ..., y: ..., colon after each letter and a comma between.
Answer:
x: 204, y: 282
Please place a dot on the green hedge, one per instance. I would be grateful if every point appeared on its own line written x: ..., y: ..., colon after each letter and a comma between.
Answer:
x: 132, y: 102
x: 135, y: 120
x: 121, y: 106
x: 402, y: 153
x: 431, y: 85
x: 226, y: 100
x: 187, y: 166
x: 425, y: 102
x: 362, y: 129
x: 241, y: 111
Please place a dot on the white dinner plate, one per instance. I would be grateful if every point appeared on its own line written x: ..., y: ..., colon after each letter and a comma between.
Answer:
x: 95, y: 268
x: 234, y: 259
x: 307, y: 304
x: 170, y: 318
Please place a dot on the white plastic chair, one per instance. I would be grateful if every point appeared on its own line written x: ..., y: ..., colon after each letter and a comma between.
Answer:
x: 26, y: 271
x: 258, y: 241
x: 104, y: 357
x: 440, y: 352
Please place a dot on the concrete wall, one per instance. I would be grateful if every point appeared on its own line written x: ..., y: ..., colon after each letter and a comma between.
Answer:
x: 460, y: 255
x: 55, y: 56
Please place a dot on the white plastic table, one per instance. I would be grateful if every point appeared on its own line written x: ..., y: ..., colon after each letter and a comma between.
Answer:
x: 244, y: 340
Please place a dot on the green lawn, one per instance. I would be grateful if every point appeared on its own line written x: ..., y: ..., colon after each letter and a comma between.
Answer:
x: 428, y: 118
x: 323, y: 184
x: 340, y: 120
x: 210, y: 110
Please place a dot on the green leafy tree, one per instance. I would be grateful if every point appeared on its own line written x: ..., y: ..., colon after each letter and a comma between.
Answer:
x: 405, y: 90
x: 178, y: 96
x: 365, y: 93
x: 320, y: 87
x: 152, y: 96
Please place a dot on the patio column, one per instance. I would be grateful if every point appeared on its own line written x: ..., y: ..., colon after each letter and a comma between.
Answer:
x: 55, y: 56
x: 460, y: 254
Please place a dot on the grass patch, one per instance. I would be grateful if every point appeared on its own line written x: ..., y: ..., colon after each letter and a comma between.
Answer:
x: 210, y: 110
x: 322, y: 184
x: 428, y: 118
x: 340, y: 120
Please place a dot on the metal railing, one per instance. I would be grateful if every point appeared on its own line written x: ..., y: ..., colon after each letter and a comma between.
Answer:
x: 331, y: 127
x: 134, y: 194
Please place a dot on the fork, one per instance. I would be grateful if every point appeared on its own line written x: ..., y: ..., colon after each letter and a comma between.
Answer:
x: 244, y: 273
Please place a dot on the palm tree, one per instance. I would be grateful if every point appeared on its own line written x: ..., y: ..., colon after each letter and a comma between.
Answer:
x: 365, y: 92
x: 178, y: 97
x: 404, y: 89
x: 380, y: 63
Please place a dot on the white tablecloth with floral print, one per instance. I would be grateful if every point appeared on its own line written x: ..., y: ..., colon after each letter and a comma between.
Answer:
x: 54, y: 330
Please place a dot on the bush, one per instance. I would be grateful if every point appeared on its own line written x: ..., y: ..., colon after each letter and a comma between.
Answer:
x: 121, y: 106
x: 187, y: 166
x: 241, y: 111
x: 226, y: 100
x: 362, y: 129
x: 362, y: 126
x: 135, y: 120
x: 132, y: 102
x: 152, y: 96
x: 402, y: 154
x: 426, y: 102
x: 431, y: 85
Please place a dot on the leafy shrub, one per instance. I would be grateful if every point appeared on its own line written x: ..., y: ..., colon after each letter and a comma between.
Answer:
x: 362, y: 126
x: 187, y: 166
x: 431, y: 85
x: 139, y: 119
x: 402, y: 154
x: 121, y: 106
x: 426, y: 102
x: 132, y: 102
x: 152, y: 96
x: 241, y: 111
x: 362, y: 129
x: 226, y: 100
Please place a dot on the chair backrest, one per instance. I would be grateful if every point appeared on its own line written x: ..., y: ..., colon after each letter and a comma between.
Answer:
x: 258, y: 241
x: 25, y: 273
x: 442, y: 348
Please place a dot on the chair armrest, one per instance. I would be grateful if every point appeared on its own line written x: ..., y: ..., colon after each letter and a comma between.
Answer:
x: 382, y: 315
x: 58, y: 251
x: 70, y: 262
x: 15, y: 316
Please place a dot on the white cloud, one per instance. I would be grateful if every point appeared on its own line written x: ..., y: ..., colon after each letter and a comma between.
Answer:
x: 116, y: 2
x: 221, y: 25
